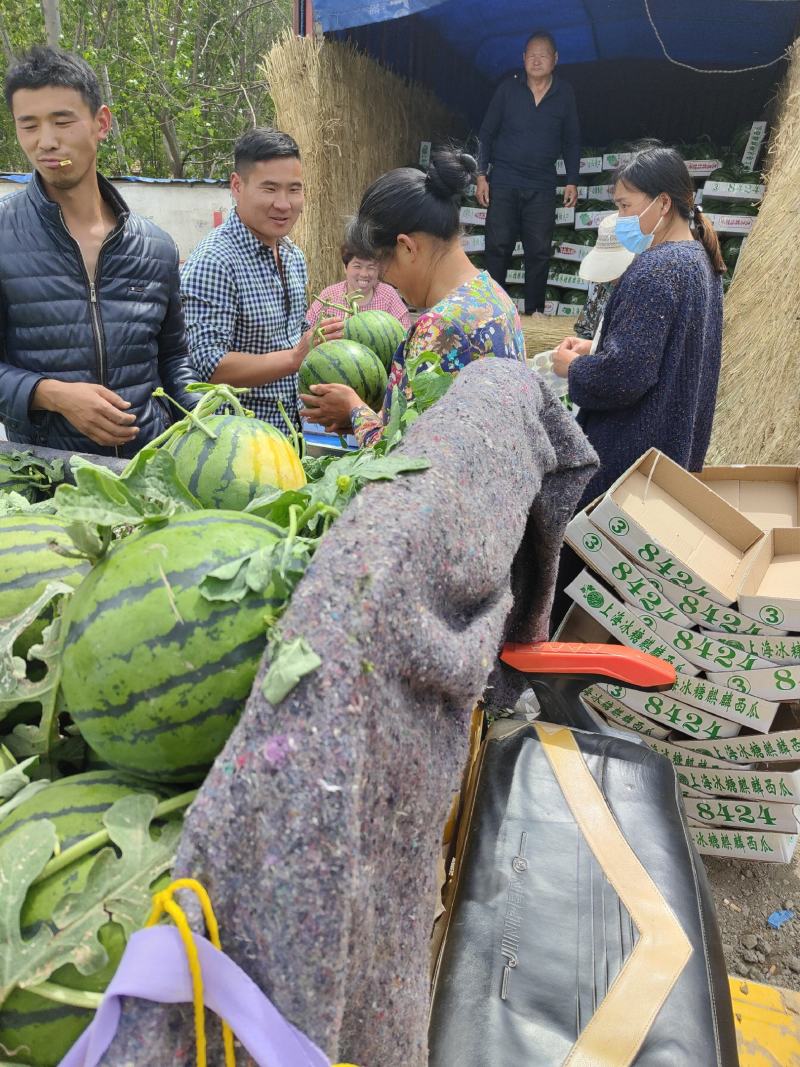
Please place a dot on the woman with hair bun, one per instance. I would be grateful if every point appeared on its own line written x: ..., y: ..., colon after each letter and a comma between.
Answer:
x: 652, y: 381
x: 409, y: 222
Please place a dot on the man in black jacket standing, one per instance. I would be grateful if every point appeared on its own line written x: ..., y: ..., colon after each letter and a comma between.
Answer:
x: 531, y: 121
x: 90, y: 313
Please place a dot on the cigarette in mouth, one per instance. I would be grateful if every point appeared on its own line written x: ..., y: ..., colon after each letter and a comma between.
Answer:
x: 65, y: 163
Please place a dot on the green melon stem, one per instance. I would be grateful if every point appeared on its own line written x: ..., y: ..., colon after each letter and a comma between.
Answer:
x: 96, y: 840
x: 76, y: 998
x: 297, y: 440
x: 193, y: 416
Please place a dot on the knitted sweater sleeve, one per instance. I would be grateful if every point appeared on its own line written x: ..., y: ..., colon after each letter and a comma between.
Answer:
x: 628, y: 360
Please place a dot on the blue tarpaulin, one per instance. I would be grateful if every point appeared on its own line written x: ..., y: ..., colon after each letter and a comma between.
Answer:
x: 462, y: 48
x: 491, y: 33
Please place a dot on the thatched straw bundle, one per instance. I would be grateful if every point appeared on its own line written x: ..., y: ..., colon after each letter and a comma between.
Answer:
x: 353, y: 120
x: 757, y: 418
x: 543, y: 332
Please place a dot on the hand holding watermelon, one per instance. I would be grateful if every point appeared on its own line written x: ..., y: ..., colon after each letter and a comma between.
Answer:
x: 330, y: 406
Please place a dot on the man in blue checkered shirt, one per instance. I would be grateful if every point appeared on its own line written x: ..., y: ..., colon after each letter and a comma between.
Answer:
x: 244, y: 286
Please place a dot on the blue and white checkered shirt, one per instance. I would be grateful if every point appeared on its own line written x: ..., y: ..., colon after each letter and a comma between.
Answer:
x: 235, y: 300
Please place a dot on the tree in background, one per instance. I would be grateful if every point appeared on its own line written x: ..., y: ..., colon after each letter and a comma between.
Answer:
x: 182, y: 77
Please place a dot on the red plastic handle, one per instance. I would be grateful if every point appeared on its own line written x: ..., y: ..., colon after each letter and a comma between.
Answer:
x: 623, y: 664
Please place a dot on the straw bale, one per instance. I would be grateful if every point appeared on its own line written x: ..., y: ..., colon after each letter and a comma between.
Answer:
x: 756, y: 419
x: 353, y: 120
x: 543, y: 332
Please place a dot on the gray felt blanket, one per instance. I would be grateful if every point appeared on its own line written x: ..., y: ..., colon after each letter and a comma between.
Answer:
x: 318, y: 829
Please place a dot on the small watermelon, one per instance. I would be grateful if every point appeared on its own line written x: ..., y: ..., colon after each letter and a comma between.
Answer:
x: 379, y: 331
x: 76, y: 805
x: 154, y: 675
x: 349, y: 363
x: 246, y: 457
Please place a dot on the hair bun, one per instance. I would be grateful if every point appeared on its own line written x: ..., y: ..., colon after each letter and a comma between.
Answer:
x: 450, y: 173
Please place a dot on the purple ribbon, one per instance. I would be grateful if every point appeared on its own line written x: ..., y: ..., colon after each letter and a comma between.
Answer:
x: 154, y: 967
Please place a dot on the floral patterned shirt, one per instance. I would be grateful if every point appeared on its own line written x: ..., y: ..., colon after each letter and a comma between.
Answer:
x: 476, y: 320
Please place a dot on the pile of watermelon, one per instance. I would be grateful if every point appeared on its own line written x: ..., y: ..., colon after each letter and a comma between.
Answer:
x: 135, y: 610
x: 362, y: 359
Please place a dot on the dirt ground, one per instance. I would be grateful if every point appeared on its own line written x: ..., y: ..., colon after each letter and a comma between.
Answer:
x: 746, y: 894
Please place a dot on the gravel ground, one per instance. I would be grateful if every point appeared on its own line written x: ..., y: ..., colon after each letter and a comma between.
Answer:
x: 746, y: 894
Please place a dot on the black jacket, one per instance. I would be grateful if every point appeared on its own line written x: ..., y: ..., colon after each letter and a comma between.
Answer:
x: 123, y: 329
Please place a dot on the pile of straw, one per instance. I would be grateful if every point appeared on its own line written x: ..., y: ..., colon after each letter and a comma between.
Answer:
x: 756, y: 419
x: 544, y: 332
x: 353, y: 120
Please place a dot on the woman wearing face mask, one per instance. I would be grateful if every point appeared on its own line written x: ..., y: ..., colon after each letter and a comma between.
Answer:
x: 652, y: 381
x: 409, y: 222
x: 360, y: 276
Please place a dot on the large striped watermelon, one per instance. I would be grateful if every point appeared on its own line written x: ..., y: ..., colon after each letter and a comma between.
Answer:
x: 43, y: 1030
x: 154, y: 674
x: 349, y: 363
x: 379, y: 331
x: 246, y: 457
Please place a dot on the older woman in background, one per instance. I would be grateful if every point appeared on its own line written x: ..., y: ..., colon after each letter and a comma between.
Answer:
x: 360, y: 275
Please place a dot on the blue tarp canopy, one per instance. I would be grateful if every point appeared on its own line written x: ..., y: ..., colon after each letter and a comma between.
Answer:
x: 487, y: 38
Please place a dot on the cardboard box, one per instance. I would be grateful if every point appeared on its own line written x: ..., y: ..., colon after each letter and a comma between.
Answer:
x: 518, y: 250
x: 771, y: 587
x: 565, y: 216
x: 590, y: 543
x: 600, y: 192
x: 618, y: 715
x: 671, y: 714
x: 612, y: 160
x: 758, y: 133
x: 782, y: 651
x: 781, y: 746
x: 588, y: 165
x: 623, y: 622
x: 768, y: 496
x: 634, y: 586
x: 473, y: 242
x: 515, y: 277
x: 719, y: 698
x: 569, y: 311
x: 679, y: 529
x: 567, y: 281
x: 425, y: 154
x: 743, y: 845
x: 473, y: 216
x: 579, y: 628
x: 734, y: 191
x: 590, y: 220
x: 703, y: 651
x: 735, y: 224
x: 574, y: 253
x: 684, y: 761
x: 702, y: 168
x: 714, y: 701
x: 775, y: 785
x: 776, y: 683
x: 744, y: 814
x: 550, y: 307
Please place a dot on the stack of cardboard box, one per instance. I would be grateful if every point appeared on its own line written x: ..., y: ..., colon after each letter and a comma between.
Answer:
x: 704, y: 572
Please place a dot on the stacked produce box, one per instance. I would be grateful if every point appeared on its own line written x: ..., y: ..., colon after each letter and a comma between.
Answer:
x: 729, y: 189
x: 704, y: 572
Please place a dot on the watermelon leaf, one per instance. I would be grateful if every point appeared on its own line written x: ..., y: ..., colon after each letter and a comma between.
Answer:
x: 15, y: 687
x: 291, y: 661
x: 148, y: 491
x: 117, y: 889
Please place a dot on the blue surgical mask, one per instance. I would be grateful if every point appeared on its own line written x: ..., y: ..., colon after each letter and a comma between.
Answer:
x: 629, y: 232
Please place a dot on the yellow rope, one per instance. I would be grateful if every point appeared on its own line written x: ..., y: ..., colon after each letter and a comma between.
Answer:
x: 164, y: 902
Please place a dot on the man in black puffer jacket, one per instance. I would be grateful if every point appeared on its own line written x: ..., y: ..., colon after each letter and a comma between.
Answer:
x: 90, y: 314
